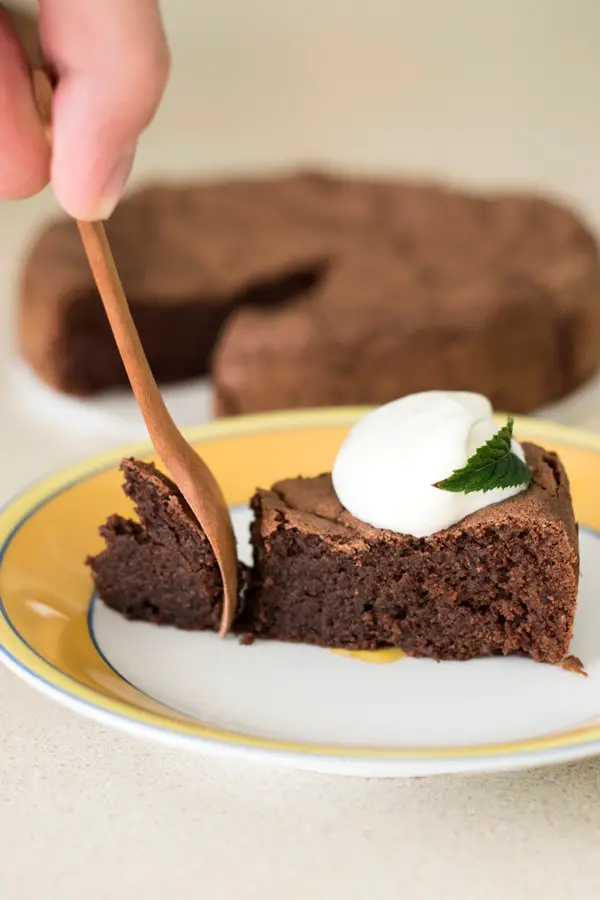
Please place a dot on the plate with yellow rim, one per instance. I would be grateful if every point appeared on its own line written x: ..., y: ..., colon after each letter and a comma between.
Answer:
x: 372, y: 715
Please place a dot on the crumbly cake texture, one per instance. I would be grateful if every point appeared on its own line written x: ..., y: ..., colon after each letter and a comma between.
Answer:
x: 312, y: 289
x: 503, y: 580
x: 161, y: 568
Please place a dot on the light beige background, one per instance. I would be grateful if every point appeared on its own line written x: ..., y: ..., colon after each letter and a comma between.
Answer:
x: 485, y: 91
x: 472, y: 89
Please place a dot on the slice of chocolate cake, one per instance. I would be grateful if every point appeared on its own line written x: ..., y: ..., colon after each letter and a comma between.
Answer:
x: 161, y: 569
x: 503, y: 580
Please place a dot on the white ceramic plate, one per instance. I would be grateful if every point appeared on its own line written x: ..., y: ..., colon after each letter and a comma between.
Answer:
x: 285, y: 704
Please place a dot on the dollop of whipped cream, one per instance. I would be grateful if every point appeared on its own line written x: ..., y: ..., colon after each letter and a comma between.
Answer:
x: 386, y: 469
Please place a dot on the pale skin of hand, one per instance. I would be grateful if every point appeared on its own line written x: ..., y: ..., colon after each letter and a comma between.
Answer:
x: 111, y: 62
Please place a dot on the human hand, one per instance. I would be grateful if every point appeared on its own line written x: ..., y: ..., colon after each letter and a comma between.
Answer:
x: 111, y: 62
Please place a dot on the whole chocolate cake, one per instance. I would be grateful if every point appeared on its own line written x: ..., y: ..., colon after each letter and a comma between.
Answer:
x: 312, y: 289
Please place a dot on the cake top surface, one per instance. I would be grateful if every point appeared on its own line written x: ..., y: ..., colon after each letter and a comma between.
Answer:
x: 310, y: 505
x: 174, y: 242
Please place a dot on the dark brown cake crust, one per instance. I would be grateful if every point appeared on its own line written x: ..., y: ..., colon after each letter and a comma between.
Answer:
x: 162, y: 568
x: 503, y: 580
x: 326, y: 290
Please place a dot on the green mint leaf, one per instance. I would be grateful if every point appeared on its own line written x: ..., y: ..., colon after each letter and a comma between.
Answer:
x: 494, y: 465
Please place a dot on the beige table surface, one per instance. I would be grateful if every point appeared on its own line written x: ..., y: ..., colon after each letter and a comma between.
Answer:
x: 505, y: 93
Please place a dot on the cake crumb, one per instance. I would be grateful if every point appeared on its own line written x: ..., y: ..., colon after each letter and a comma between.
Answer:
x: 246, y: 639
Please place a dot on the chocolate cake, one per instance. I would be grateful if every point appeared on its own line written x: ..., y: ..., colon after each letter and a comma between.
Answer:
x: 493, y: 294
x: 503, y: 580
x: 341, y: 344
x: 187, y: 257
x: 161, y: 568
x: 310, y: 289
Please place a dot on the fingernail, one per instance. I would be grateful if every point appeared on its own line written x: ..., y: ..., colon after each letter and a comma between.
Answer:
x: 115, y: 184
